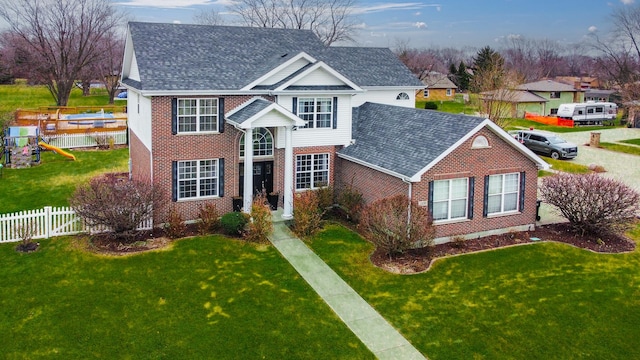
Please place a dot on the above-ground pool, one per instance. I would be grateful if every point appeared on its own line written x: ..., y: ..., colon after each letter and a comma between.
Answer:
x: 95, y: 119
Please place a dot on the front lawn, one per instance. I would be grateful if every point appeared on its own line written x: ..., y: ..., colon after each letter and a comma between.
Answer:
x: 566, y: 166
x: 632, y: 141
x: 204, y: 298
x: 54, y: 180
x: 518, y: 124
x: 539, y: 301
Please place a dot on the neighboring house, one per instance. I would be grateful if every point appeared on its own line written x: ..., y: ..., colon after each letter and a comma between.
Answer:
x: 317, y: 116
x: 579, y: 82
x: 554, y: 92
x: 437, y: 87
x: 600, y: 95
x: 519, y: 101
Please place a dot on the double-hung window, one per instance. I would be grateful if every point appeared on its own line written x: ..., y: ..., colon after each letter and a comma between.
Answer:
x: 197, y: 178
x: 317, y: 112
x: 450, y: 199
x: 503, y: 193
x: 197, y: 115
x: 312, y: 171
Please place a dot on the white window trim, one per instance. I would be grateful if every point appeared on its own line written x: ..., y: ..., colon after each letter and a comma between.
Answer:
x: 198, y: 179
x: 315, y: 112
x: 198, y: 115
x: 255, y: 130
x: 449, y: 200
x: 449, y: 92
x: 502, y: 195
x: 425, y: 93
x: 313, y: 186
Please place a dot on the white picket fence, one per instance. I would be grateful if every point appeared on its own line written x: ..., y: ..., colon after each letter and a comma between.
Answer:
x: 68, y: 141
x: 47, y: 222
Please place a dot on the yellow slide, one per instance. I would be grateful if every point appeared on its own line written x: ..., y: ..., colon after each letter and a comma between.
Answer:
x: 57, y: 150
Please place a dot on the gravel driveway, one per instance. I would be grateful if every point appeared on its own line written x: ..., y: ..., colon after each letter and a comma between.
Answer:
x: 623, y: 167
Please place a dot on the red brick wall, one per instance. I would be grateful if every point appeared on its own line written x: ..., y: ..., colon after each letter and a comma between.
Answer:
x: 373, y: 184
x: 167, y: 148
x: 140, y: 158
x: 499, y: 158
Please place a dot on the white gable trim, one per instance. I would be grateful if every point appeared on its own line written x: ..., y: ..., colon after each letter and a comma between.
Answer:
x: 258, y: 81
x: 285, y: 116
x: 542, y: 165
x: 316, y: 66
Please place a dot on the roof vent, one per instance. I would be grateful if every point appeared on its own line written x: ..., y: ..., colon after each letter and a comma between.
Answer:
x: 284, y: 55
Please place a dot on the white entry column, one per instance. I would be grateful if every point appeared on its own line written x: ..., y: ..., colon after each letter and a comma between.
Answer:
x: 288, y: 173
x: 247, y: 196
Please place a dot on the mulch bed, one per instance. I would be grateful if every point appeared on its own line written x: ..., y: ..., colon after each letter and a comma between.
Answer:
x: 419, y: 260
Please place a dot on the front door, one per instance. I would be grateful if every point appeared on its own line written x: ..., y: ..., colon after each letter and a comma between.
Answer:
x: 262, y: 177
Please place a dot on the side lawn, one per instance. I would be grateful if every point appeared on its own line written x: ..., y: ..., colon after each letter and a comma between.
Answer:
x: 203, y: 298
x: 541, y: 301
x: 53, y: 181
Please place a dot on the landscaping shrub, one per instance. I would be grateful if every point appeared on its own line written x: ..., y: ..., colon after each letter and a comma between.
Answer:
x: 350, y: 201
x: 233, y: 223
x: 388, y: 225
x: 307, y: 213
x: 325, y: 196
x: 430, y: 105
x: 117, y: 203
x: 208, y: 218
x: 592, y: 203
x: 175, y: 226
x: 261, y: 224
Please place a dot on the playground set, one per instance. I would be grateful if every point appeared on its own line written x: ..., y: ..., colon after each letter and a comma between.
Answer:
x: 73, y: 120
x: 22, y: 146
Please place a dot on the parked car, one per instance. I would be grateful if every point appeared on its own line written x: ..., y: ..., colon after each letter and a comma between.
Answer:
x: 547, y: 144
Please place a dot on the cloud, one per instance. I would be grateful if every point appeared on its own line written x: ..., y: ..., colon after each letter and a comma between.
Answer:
x: 627, y: 2
x: 167, y: 4
x: 360, y: 26
x: 418, y: 13
x: 379, y: 7
x: 420, y: 25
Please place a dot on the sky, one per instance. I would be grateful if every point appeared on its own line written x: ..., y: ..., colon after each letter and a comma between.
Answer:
x: 423, y: 24
x: 420, y: 24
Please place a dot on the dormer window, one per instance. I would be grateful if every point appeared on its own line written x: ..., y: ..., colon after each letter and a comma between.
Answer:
x: 402, y: 96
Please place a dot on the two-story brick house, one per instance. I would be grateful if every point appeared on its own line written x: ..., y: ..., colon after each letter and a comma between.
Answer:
x: 196, y: 91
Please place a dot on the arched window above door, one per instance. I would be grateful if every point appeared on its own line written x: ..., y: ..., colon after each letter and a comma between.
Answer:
x: 262, y: 143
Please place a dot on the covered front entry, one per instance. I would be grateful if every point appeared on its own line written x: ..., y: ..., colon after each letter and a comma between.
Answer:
x: 259, y: 113
x: 262, y: 177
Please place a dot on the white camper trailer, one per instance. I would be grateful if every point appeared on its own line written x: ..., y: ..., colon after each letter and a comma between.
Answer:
x: 589, y: 113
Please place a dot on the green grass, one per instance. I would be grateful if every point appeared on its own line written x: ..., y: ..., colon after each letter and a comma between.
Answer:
x: 627, y: 149
x: 566, y: 166
x: 54, y: 180
x: 205, y: 298
x: 632, y: 141
x: 454, y: 107
x: 21, y: 96
x: 540, y: 301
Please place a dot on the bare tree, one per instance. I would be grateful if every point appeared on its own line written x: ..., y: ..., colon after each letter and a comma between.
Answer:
x: 330, y: 20
x: 63, y: 34
x: 621, y: 51
x: 208, y: 17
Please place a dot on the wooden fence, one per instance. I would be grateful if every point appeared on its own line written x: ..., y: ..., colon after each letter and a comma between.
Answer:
x: 47, y: 222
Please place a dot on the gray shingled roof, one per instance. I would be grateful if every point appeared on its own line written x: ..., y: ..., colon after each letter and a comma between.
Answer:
x: 546, y: 85
x: 404, y: 140
x: 201, y: 57
x: 249, y: 111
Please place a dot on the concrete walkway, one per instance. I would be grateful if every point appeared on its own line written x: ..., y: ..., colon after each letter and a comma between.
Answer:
x: 372, y: 329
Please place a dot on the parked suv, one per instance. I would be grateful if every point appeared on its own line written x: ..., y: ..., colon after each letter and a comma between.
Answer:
x: 547, y: 144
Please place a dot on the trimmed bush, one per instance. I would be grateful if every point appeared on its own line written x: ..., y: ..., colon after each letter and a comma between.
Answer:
x: 261, y: 224
x: 208, y: 218
x: 175, y: 226
x: 430, y: 105
x: 350, y: 201
x: 388, y: 225
x: 233, y: 223
x: 326, y: 197
x: 307, y: 213
x: 592, y: 203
